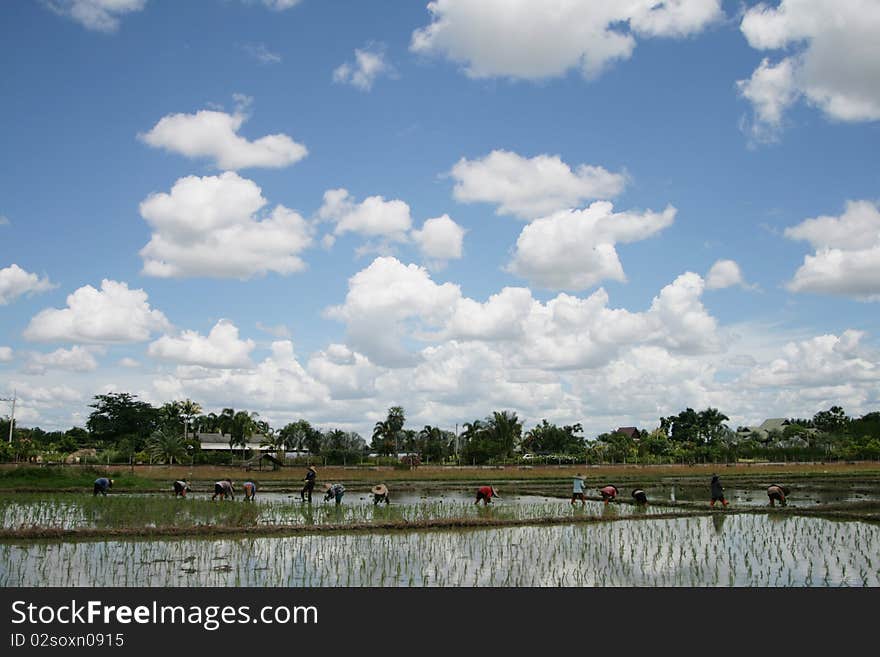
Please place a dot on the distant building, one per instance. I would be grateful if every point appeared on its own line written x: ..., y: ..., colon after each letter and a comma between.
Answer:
x: 215, y: 442
x: 630, y: 432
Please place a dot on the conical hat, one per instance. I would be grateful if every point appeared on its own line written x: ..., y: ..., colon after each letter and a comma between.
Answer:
x: 379, y: 489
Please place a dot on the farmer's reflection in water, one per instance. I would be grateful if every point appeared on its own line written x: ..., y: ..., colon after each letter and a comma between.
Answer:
x: 609, y: 511
x: 718, y: 520
x: 307, y: 515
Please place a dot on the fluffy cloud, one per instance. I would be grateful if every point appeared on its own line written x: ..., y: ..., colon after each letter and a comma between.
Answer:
x: 847, y: 257
x: 530, y: 187
x: 220, y: 348
x: 440, y: 239
x: 391, y: 306
x: 210, y: 227
x: 75, y: 359
x: 372, y: 217
x: 835, y: 63
x: 574, y: 249
x: 382, y: 303
x: 15, y: 282
x: 213, y: 134
x: 113, y: 314
x: 100, y: 15
x: 771, y: 90
x: 369, y: 64
x: 822, y: 361
x: 129, y: 362
x: 278, y: 383
x: 5, y: 354
x: 346, y: 373
x: 522, y: 39
x: 724, y: 273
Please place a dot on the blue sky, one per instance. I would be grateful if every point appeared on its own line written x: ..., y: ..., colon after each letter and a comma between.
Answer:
x: 631, y: 208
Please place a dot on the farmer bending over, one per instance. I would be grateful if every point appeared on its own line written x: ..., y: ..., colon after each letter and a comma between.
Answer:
x: 223, y: 488
x: 380, y: 494
x: 250, y: 491
x: 608, y: 493
x: 181, y: 487
x: 102, y: 485
x: 486, y: 493
x: 639, y: 496
x: 777, y: 493
x: 334, y: 490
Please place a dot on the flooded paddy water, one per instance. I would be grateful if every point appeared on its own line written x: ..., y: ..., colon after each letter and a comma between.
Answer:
x: 716, y: 550
x: 557, y: 544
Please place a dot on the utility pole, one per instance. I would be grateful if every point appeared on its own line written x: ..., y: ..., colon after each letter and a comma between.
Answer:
x: 12, y: 417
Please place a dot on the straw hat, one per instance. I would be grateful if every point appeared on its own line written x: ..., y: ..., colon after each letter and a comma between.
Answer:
x: 379, y: 489
x: 495, y: 492
x: 312, y: 468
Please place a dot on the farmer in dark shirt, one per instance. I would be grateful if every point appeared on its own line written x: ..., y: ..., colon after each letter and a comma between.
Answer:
x: 102, y: 485
x: 717, y: 491
x: 181, y: 487
x: 639, y: 496
x: 311, y: 473
x: 380, y: 494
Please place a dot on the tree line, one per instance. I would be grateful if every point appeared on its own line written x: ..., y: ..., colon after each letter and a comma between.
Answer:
x: 124, y: 429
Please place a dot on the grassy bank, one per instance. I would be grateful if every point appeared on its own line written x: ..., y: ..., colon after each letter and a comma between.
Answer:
x: 159, y: 478
x: 34, y: 478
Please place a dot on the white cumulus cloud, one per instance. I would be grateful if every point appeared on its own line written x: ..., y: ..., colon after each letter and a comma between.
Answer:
x: 15, y: 282
x: 210, y: 226
x: 575, y: 249
x: 220, y: 348
x: 113, y: 314
x: 847, y: 257
x: 534, y: 40
x: 75, y: 359
x: 214, y: 134
x: 531, y: 187
x: 5, y: 354
x: 724, y: 273
x: 832, y: 60
x: 372, y: 217
x: 439, y: 240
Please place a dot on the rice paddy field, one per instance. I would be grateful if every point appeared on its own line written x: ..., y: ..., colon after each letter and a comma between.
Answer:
x: 433, y: 535
x: 735, y: 550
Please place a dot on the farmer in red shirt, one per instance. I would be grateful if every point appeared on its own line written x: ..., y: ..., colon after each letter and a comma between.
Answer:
x: 608, y: 493
x: 486, y: 493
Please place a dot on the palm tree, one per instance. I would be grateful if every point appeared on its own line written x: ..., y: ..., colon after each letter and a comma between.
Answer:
x: 244, y: 425
x: 165, y: 447
x: 506, y: 430
x: 188, y: 409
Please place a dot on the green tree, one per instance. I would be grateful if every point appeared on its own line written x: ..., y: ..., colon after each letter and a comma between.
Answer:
x: 166, y: 447
x: 118, y: 415
x: 388, y: 433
